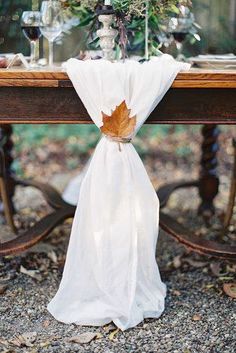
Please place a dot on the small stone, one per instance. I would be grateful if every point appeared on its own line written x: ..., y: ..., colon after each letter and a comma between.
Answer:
x: 196, y: 317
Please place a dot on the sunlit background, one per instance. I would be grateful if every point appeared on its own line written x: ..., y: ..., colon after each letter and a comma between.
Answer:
x: 217, y: 19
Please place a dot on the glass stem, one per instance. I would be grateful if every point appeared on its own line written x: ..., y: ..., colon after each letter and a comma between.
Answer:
x: 146, y: 30
x: 50, y: 53
x: 33, y: 52
x: 179, y: 50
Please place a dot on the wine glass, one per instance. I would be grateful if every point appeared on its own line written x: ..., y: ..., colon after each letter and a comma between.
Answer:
x: 30, y: 22
x: 51, y: 23
x: 180, y: 26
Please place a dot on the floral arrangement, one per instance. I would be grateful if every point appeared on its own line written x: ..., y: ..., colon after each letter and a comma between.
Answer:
x: 127, y: 7
x: 130, y: 16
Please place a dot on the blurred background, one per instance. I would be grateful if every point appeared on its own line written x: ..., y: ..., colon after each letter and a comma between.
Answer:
x: 217, y: 19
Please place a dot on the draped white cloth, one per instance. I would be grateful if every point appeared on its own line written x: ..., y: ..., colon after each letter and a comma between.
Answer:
x: 111, y: 272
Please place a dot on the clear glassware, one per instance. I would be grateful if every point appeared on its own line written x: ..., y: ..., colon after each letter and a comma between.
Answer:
x: 51, y: 23
x: 30, y: 24
x: 179, y: 26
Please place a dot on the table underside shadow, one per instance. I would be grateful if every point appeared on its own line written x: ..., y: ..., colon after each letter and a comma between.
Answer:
x: 62, y: 210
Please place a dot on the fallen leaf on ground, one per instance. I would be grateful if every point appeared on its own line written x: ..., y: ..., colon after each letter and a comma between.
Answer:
x: 26, y: 339
x: 177, y: 261
x: 45, y: 344
x: 8, y: 350
x: 209, y: 286
x: 230, y: 289
x: 176, y: 292
x: 113, y: 334
x: 3, y: 288
x: 196, y: 317
x: 31, y: 273
x: 86, y: 337
x: 53, y: 256
x: 4, y: 342
x: 231, y: 268
x: 108, y: 328
x: 40, y: 248
x: 5, y: 280
x: 194, y: 263
x: 225, y: 278
x: 187, y: 351
x: 46, y: 323
x: 216, y: 269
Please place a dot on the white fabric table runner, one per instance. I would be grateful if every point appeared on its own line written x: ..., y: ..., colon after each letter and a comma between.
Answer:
x: 111, y: 272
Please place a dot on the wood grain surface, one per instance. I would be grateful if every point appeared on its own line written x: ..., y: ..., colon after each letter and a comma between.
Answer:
x: 194, y: 78
x: 196, y: 97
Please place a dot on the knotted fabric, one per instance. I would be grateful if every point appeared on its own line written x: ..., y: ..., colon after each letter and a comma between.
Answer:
x: 111, y: 272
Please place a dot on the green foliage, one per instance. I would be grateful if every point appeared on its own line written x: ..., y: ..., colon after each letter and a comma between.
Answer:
x: 128, y: 7
x: 11, y: 37
x: 131, y: 15
x: 26, y: 136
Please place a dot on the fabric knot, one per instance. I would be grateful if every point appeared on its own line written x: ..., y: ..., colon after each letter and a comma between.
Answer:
x: 118, y: 139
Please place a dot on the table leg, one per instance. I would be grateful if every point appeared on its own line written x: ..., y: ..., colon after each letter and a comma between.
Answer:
x: 6, y: 146
x: 209, y: 180
x: 8, y: 181
x: 208, y: 185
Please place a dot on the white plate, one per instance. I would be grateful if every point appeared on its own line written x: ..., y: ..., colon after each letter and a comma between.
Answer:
x: 215, y: 61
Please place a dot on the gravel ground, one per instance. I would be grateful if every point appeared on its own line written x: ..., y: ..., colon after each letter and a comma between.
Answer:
x: 199, y: 316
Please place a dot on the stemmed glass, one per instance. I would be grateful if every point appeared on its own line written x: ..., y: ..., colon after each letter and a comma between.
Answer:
x: 51, y: 23
x: 30, y: 22
x: 180, y: 26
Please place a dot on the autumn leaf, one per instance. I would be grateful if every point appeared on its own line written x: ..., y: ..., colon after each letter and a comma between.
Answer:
x: 230, y: 289
x: 31, y: 273
x: 177, y: 261
x: 196, y: 317
x: 3, y: 288
x: 86, y: 337
x: 194, y: 263
x: 26, y: 339
x: 113, y: 334
x: 119, y: 124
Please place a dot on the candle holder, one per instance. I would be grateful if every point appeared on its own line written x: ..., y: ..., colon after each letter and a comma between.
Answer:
x: 107, y: 34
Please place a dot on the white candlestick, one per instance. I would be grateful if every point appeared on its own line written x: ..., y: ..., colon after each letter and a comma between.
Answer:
x: 107, y: 3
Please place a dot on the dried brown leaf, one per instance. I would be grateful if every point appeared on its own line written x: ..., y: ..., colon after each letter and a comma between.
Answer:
x: 209, y: 286
x: 196, y: 317
x: 53, y: 256
x: 230, y: 289
x: 3, y: 288
x: 231, y: 268
x: 17, y: 342
x: 177, y: 261
x: 31, y: 273
x: 46, y: 323
x: 26, y: 339
x: 44, y: 344
x: 187, y: 351
x: 113, y: 334
x: 216, y: 269
x: 86, y: 337
x: 176, y: 292
x: 5, y: 280
x: 109, y: 327
x: 119, y: 124
x: 194, y: 263
x: 4, y: 342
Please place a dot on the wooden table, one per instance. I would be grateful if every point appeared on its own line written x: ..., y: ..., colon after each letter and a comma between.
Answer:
x: 205, y: 97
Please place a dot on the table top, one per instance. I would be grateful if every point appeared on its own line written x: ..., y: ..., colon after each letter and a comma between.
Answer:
x: 194, y: 78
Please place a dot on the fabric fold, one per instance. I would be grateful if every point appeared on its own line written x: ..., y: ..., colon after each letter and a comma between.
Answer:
x: 111, y: 272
